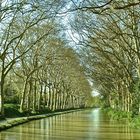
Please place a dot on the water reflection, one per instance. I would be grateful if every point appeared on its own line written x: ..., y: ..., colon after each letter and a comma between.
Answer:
x: 82, y: 125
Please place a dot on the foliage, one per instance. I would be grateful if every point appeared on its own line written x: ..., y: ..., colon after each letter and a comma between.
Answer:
x: 11, y: 110
x: 109, y: 50
x: 11, y: 94
x: 39, y: 68
x: 118, y: 115
x: 135, y: 122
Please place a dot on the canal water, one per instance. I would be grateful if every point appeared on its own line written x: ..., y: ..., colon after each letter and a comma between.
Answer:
x: 82, y: 125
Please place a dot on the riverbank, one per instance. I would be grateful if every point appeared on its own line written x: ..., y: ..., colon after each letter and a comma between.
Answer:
x: 10, y: 122
x: 127, y: 117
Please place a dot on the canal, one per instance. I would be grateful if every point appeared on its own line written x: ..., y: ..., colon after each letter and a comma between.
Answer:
x: 82, y: 125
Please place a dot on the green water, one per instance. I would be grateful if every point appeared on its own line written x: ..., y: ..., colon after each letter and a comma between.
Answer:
x: 82, y: 125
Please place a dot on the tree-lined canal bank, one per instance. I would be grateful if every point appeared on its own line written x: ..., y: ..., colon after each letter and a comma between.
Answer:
x: 90, y: 124
x: 11, y: 122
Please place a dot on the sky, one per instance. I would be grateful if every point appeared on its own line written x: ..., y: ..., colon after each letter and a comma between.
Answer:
x: 95, y: 93
x: 72, y: 36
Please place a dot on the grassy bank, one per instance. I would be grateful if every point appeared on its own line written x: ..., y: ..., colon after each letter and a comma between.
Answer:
x: 12, y: 111
x: 13, y: 117
x: 128, y: 117
x: 118, y: 115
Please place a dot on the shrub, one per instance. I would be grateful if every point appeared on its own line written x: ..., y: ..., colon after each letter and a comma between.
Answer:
x: 135, y: 122
x: 11, y: 110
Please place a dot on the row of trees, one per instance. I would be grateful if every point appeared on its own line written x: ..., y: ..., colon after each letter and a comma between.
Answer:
x: 37, y: 69
x: 49, y: 78
x: 110, y: 51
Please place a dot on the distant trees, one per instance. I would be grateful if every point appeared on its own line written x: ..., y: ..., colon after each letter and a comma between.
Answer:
x: 51, y: 78
x: 66, y: 83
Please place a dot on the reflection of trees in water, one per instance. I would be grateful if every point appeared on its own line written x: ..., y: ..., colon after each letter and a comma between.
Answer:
x: 88, y: 125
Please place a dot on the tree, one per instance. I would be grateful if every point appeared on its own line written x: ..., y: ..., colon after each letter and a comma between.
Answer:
x: 111, y: 53
x: 18, y: 21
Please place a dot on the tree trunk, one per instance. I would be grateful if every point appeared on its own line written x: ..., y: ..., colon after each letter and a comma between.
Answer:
x: 2, y: 96
x: 40, y: 97
x: 23, y: 96
x: 29, y: 96
x: 48, y: 97
x: 44, y: 97
x: 34, y: 97
x: 53, y: 99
